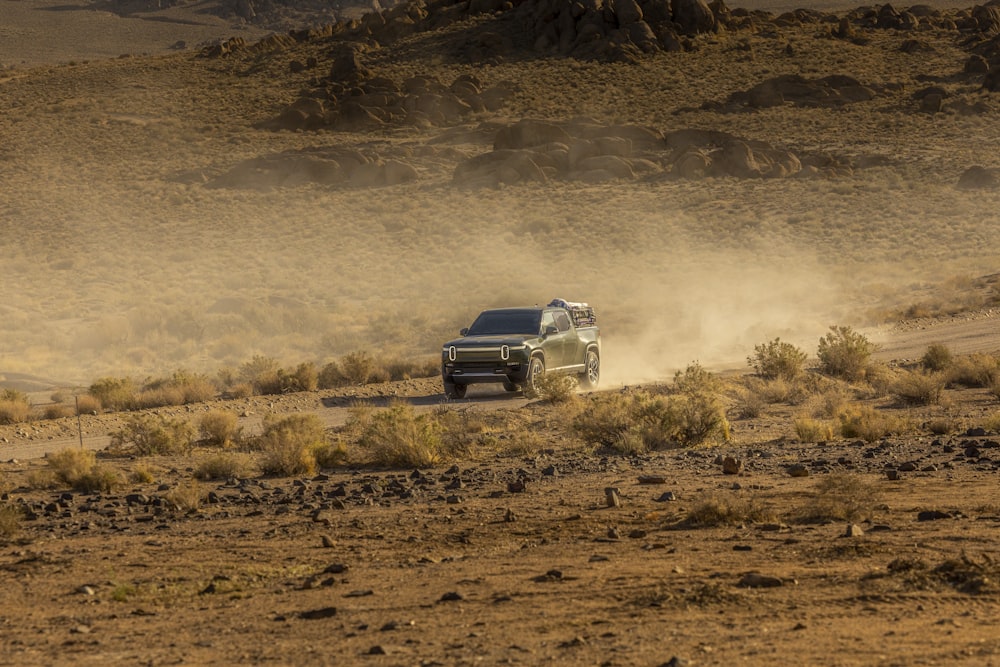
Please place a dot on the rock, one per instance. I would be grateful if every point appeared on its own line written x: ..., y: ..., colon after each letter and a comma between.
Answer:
x: 318, y: 614
x: 854, y: 530
x: 931, y: 104
x: 732, y: 466
x: 932, y: 515
x: 652, y: 479
x: 979, y: 178
x: 529, y: 133
x: 327, y: 541
x: 693, y: 16
x: 666, y: 496
x: 451, y: 596
x: 797, y: 470
x: 612, y: 497
x: 991, y: 81
x: 756, y: 580
x: 378, y: 649
x: 976, y: 64
x: 908, y: 466
x: 892, y: 474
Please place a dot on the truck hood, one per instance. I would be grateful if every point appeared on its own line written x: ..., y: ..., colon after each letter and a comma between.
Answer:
x: 490, y: 341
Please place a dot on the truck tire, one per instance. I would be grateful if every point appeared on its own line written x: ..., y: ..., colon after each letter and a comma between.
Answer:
x: 536, y: 369
x: 591, y: 375
x: 452, y: 390
x: 510, y: 386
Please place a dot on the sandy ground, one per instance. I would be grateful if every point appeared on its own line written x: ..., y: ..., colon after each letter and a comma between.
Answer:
x: 119, y: 258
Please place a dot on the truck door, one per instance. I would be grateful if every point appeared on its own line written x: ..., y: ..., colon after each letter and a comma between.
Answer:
x: 571, y: 353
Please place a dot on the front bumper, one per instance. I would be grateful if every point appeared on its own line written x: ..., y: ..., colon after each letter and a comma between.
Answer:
x: 474, y: 365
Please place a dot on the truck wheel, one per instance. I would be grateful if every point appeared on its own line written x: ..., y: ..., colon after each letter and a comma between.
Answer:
x: 510, y: 386
x: 536, y: 369
x: 591, y: 375
x: 452, y: 390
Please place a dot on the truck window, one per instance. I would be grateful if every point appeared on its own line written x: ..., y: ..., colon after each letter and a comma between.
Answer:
x: 548, y: 320
x: 562, y: 321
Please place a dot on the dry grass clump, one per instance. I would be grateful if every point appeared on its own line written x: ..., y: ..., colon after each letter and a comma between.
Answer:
x: 399, y: 438
x: 10, y: 520
x: 842, y: 497
x: 808, y: 429
x: 288, y: 444
x: 360, y: 368
x: 180, y: 388
x: 266, y: 377
x: 226, y: 465
x: 186, y: 497
x: 692, y: 413
x: 58, y: 411
x: 141, y: 474
x: 78, y: 469
x: 554, y: 388
x: 844, y: 353
x: 727, y: 509
x: 937, y: 358
x: 219, y: 428
x: 868, y: 424
x: 776, y: 359
x: 974, y: 370
x: 919, y: 387
x: 14, y: 407
x: 991, y: 422
x: 151, y: 434
x: 114, y: 393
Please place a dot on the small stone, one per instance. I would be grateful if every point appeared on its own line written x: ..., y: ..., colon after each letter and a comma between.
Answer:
x: 613, y: 534
x: 666, y: 496
x: 732, y: 466
x: 80, y: 630
x: 652, y: 479
x: 327, y: 541
x: 509, y: 516
x: 756, y: 580
x: 378, y: 649
x: 611, y: 497
x: 516, y: 487
x: 909, y: 466
x: 452, y: 596
x: 637, y: 534
x: 932, y: 515
x: 892, y: 474
x: 676, y: 662
x: 86, y: 590
x: 797, y: 470
x: 317, y: 614
x: 335, y: 568
x: 853, y: 530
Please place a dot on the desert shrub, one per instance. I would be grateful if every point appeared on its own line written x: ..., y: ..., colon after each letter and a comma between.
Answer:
x: 180, y: 388
x: 114, y: 393
x: 405, y: 369
x: 58, y: 411
x: 219, y: 428
x: 690, y: 415
x: 991, y: 422
x: 844, y: 353
x: 880, y: 379
x: 14, y: 407
x: 942, y: 425
x: 399, y: 438
x: 865, y: 422
x: 776, y: 359
x: 726, y: 509
x: 919, y: 387
x: 748, y: 401
x: 842, y: 497
x: 10, y: 519
x: 974, y: 370
x: 186, y: 497
x: 813, y: 430
x: 141, y: 474
x: 356, y: 368
x: 150, y: 434
x: 227, y: 465
x: 555, y: 388
x: 331, y: 455
x: 995, y: 388
x: 304, y: 377
x: 78, y: 469
x: 829, y: 403
x: 287, y: 444
x: 86, y: 404
x: 937, y: 358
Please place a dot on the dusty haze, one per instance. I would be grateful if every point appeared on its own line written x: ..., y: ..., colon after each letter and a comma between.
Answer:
x: 118, y: 259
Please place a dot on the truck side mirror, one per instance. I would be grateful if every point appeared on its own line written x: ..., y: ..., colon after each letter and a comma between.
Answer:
x: 464, y: 332
x: 551, y: 330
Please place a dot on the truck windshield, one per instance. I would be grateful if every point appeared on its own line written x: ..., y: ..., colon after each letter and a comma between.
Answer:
x: 499, y: 322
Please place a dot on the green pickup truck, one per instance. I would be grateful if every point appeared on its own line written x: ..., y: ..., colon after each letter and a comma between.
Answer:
x: 515, y: 346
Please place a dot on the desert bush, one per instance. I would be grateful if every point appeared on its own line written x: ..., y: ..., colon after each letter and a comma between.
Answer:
x: 288, y: 443
x: 862, y: 421
x: 405, y: 369
x: 844, y: 353
x: 692, y: 419
x: 141, y: 474
x: 78, y: 469
x: 830, y: 403
x: 356, y: 368
x: 114, y: 393
x: 842, y: 497
x: 880, y: 379
x: 813, y: 430
x: 58, y: 411
x: 227, y: 465
x: 974, y: 370
x: 991, y: 422
x: 608, y: 416
x: 748, y: 401
x: 219, y: 428
x: 937, y: 358
x: 87, y: 404
x: 942, y: 425
x: 14, y: 407
x: 719, y: 509
x: 399, y: 438
x: 10, y: 519
x: 776, y: 359
x: 304, y: 377
x: 186, y: 497
x: 555, y: 388
x: 919, y: 387
x: 180, y: 388
x: 331, y: 455
x: 150, y: 434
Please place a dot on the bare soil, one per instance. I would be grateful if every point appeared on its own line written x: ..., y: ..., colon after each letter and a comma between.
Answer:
x: 119, y: 258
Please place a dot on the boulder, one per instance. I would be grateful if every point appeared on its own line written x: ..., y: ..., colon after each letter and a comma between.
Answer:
x: 979, y: 178
x: 528, y: 133
x: 693, y: 17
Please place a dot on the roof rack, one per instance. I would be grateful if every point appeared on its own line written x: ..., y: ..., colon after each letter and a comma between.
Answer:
x: 583, y: 315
